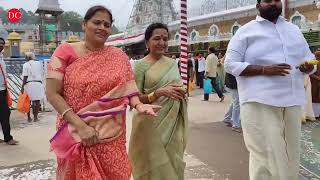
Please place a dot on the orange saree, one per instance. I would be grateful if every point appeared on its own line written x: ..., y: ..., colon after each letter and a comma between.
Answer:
x: 85, y: 80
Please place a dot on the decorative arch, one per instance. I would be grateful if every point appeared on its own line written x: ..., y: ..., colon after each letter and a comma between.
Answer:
x: 194, y: 35
x: 213, y: 30
x: 235, y: 28
x: 177, y: 36
x: 298, y: 19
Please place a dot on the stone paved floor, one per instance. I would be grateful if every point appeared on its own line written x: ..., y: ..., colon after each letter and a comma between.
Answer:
x: 31, y: 160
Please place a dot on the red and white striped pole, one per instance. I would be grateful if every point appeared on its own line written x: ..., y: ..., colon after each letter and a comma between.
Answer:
x: 184, y: 43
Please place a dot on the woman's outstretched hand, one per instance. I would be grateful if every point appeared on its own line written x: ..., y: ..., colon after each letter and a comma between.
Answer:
x: 148, y: 109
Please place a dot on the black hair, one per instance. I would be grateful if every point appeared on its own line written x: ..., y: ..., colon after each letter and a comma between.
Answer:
x: 2, y: 39
x: 94, y: 9
x: 28, y: 58
x: 212, y: 49
x: 152, y: 27
x: 258, y: 1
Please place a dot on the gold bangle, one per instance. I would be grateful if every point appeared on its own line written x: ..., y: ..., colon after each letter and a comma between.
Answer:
x: 65, y: 112
x: 152, y: 97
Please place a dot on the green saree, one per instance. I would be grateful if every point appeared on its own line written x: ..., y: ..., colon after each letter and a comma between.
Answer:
x: 157, y: 144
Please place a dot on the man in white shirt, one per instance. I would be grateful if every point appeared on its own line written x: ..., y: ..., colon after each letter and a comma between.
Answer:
x: 201, y: 69
x: 4, y: 107
x: 32, y: 74
x: 263, y: 55
x: 211, y: 73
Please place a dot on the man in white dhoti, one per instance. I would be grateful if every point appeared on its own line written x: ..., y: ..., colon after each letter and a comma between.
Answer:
x: 263, y: 55
x: 32, y: 83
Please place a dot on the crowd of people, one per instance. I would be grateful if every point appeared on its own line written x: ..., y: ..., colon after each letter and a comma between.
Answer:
x: 264, y: 71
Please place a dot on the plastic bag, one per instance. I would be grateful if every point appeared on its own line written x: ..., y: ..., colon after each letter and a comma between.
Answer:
x: 207, y: 87
x: 23, y: 104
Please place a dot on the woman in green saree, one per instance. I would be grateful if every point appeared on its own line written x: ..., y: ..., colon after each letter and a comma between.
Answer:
x: 157, y: 144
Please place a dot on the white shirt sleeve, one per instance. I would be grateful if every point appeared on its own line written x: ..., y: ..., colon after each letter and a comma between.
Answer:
x: 4, y: 67
x: 25, y: 70
x: 234, y: 62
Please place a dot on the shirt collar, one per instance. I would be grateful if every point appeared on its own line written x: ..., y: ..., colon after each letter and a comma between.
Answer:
x: 261, y: 19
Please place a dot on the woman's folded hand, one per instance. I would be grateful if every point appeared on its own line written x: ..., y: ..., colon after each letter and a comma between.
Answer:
x: 88, y: 136
x: 173, y: 91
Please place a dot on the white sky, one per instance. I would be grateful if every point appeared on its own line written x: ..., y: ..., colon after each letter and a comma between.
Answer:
x: 121, y: 9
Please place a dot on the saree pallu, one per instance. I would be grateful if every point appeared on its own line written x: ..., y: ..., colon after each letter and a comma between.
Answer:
x: 157, y: 144
x: 106, y: 116
x: 95, y: 85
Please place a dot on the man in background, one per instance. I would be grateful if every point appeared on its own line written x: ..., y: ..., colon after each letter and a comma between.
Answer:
x: 201, y: 69
x: 4, y: 107
x: 211, y: 73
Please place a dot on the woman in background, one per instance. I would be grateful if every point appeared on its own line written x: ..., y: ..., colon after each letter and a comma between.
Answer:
x: 221, y: 74
x: 315, y: 88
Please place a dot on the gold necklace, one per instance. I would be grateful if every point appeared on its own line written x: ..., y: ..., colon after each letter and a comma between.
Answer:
x: 86, y: 47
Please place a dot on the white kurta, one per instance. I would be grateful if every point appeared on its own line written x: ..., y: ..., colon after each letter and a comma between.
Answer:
x: 34, y: 87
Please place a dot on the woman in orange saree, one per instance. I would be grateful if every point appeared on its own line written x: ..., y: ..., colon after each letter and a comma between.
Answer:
x: 88, y: 75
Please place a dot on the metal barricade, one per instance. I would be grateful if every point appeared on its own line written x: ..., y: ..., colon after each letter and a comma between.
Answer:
x: 14, y: 68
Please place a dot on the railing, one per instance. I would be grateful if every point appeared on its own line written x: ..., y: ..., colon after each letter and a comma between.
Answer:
x: 14, y: 71
x: 14, y: 68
